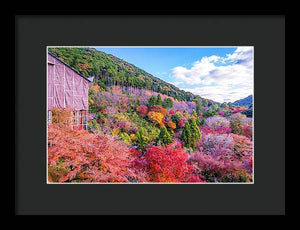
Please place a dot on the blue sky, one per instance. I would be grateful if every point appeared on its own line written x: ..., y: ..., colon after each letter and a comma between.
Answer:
x: 218, y: 73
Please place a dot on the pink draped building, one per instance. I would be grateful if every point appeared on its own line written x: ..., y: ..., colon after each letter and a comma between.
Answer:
x: 67, y: 89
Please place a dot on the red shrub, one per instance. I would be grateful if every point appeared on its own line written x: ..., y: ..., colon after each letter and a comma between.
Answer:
x: 247, y: 131
x: 168, y: 164
x: 171, y: 112
x: 181, y: 122
x: 142, y: 110
x: 90, y: 158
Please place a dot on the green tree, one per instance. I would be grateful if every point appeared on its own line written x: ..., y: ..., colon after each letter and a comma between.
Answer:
x: 194, y: 114
x: 199, y: 109
x: 152, y: 101
x: 164, y: 136
x: 187, y: 137
x: 125, y: 137
x: 158, y: 101
x: 227, y: 112
x: 167, y: 103
x: 210, y: 113
x: 141, y: 140
x: 198, y: 121
x: 195, y: 130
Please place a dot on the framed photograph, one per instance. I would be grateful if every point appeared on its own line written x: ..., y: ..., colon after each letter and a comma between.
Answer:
x: 109, y: 121
x: 174, y: 124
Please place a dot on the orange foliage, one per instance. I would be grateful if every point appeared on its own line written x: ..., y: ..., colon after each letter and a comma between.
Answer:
x: 116, y: 89
x: 158, y: 109
x: 172, y: 125
x: 95, y: 88
x: 62, y: 117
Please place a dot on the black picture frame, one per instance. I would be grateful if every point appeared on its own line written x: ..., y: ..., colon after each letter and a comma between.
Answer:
x: 266, y: 32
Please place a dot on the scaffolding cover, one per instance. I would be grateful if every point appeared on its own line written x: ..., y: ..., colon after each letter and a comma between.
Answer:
x: 66, y: 88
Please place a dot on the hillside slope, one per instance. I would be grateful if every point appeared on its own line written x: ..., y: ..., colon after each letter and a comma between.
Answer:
x: 110, y: 70
x: 247, y: 101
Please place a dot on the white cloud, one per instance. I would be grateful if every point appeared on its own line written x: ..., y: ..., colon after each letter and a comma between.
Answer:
x: 219, y: 78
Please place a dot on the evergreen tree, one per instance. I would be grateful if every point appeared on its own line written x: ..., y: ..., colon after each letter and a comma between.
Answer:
x: 195, y: 130
x: 167, y: 103
x: 194, y: 113
x: 198, y: 122
x: 141, y: 140
x: 210, y: 113
x: 186, y: 135
x: 158, y: 101
x: 152, y: 101
x: 164, y: 136
x: 199, y: 109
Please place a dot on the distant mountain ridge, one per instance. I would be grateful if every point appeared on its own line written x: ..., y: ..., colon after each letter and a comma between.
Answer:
x: 247, y: 101
x: 109, y: 70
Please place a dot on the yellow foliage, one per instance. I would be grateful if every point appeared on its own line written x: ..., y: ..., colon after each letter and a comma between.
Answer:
x: 115, y: 132
x: 132, y: 136
x: 62, y: 117
x: 91, y: 101
x: 166, y: 88
x: 155, y: 117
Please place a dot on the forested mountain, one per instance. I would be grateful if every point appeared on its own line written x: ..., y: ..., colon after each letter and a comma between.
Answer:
x: 109, y: 70
x: 247, y: 101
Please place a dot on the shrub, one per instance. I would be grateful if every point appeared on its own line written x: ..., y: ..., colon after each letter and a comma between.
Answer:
x: 142, y: 110
x: 218, y: 169
x: 236, y: 123
x: 158, y: 109
x: 140, y: 139
x: 168, y: 163
x: 125, y: 137
x: 164, y: 136
x: 227, y: 112
x: 93, y: 126
x: 88, y: 157
x: 155, y: 117
x: 61, y: 117
x: 209, y: 113
x: 247, y: 131
x: 181, y: 122
x: 242, y: 146
x: 221, y: 113
x: 127, y: 126
x: 171, y: 125
x: 216, y: 145
x: 176, y: 117
x: 216, y: 122
x: 218, y: 130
